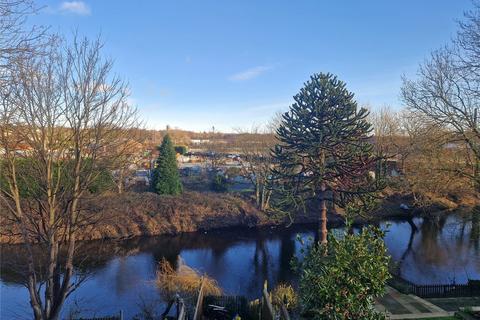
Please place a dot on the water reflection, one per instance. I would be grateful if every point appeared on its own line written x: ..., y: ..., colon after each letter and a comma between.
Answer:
x: 435, y: 250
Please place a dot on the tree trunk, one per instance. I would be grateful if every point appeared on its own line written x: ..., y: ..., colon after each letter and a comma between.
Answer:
x: 323, y: 217
x: 121, y: 181
x: 257, y: 194
x: 476, y: 175
x: 35, y: 301
x: 120, y: 187
x: 267, y: 199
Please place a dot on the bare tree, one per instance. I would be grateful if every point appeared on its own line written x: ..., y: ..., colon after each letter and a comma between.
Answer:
x: 387, y: 131
x: 15, y: 38
x: 129, y: 160
x: 467, y: 44
x: 447, y: 91
x: 428, y: 162
x: 65, y: 118
x: 256, y: 162
x: 216, y: 148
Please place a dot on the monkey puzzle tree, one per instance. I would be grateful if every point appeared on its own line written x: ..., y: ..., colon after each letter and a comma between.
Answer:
x: 166, y: 179
x: 323, y: 151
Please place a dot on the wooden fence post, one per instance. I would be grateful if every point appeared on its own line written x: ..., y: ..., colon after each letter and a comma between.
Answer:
x: 267, y: 309
x: 199, y: 306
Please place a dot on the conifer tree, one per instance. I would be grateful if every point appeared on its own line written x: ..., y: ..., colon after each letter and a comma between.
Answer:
x: 324, y: 153
x: 166, y: 179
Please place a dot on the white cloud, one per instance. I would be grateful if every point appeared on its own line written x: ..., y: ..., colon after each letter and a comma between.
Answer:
x: 75, y: 7
x: 249, y: 73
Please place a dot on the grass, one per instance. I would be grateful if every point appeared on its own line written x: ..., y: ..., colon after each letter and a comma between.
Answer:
x: 183, y: 280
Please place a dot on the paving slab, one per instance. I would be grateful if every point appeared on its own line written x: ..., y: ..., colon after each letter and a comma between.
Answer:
x: 421, y: 315
x: 453, y: 304
x: 405, y: 306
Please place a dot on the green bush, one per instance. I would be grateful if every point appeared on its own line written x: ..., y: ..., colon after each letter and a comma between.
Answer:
x: 181, y: 149
x: 343, y: 283
x: 103, y: 182
x: 32, y: 184
x: 26, y: 174
x: 219, y: 183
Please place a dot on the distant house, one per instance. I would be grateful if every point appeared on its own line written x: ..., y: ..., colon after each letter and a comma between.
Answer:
x: 199, y: 141
x: 191, y: 171
x: 392, y: 168
x: 20, y: 149
x: 142, y: 177
x: 181, y: 158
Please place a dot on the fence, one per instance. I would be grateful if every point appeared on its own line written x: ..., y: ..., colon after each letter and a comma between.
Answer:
x: 449, y: 290
x: 199, y: 305
x: 234, y: 304
x: 181, y: 310
x: 471, y: 289
x: 260, y: 309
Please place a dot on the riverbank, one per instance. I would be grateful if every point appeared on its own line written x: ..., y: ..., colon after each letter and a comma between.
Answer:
x: 133, y: 214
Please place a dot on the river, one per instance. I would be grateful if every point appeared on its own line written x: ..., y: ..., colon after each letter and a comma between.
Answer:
x: 121, y: 274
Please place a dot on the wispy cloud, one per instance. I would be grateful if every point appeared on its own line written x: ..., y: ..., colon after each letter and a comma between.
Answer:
x: 75, y: 7
x: 249, y: 73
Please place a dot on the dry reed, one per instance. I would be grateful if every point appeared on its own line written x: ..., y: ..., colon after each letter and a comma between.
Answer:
x: 184, y: 280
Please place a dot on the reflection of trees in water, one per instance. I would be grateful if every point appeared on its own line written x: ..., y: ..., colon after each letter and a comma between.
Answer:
x: 261, y: 265
x: 408, y: 249
x: 101, y: 253
x: 265, y: 268
x: 432, y: 243
x: 475, y: 229
x: 432, y: 250
x: 87, y: 259
x: 287, y: 251
x: 125, y: 277
x: 429, y: 250
x: 445, y: 246
x: 261, y: 258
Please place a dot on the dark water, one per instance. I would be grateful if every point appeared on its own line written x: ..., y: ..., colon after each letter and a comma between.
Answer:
x: 441, y: 250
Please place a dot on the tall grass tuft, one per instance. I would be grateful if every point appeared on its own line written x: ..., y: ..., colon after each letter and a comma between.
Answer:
x: 184, y: 280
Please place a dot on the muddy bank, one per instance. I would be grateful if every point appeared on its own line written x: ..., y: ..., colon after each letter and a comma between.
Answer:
x: 132, y: 214
x: 148, y: 214
x: 135, y: 214
x: 391, y: 204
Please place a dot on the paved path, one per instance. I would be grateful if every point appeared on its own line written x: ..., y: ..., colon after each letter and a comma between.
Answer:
x: 403, y: 306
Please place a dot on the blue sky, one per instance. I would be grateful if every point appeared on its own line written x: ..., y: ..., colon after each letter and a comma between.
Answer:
x: 232, y: 64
